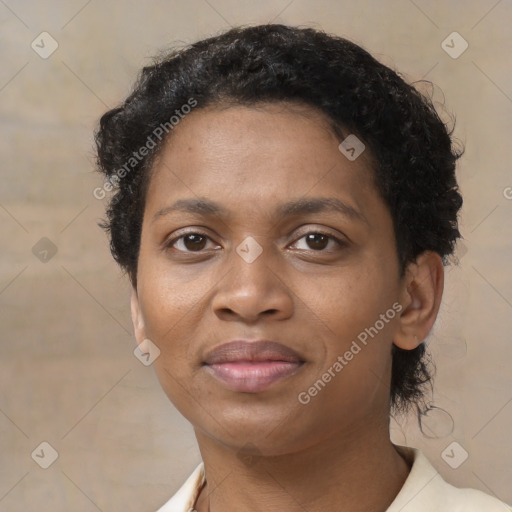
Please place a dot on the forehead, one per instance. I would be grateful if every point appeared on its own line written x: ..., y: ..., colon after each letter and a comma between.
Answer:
x: 250, y: 157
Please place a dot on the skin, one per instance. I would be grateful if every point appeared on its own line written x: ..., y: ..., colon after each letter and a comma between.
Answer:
x: 266, y: 451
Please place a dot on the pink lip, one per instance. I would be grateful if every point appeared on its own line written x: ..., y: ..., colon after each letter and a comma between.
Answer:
x: 252, y: 366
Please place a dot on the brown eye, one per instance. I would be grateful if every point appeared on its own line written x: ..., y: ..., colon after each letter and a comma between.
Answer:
x: 189, y: 242
x: 194, y: 242
x: 318, y: 241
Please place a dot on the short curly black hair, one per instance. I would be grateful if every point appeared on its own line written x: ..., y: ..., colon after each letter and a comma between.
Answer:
x: 412, y: 148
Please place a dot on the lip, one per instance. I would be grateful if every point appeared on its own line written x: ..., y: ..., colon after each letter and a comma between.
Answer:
x: 252, y: 366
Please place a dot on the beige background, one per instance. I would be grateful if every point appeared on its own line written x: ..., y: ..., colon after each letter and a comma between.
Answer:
x: 68, y: 375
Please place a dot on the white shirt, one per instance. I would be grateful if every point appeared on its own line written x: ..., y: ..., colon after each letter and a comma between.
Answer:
x: 423, y: 491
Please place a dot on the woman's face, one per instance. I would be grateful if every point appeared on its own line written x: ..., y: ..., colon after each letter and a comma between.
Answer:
x: 250, y: 271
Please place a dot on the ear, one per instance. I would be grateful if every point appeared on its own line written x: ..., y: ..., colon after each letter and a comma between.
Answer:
x: 421, y: 298
x: 139, y: 326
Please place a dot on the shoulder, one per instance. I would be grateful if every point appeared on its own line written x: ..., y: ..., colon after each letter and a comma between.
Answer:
x: 425, y: 490
x: 185, y: 497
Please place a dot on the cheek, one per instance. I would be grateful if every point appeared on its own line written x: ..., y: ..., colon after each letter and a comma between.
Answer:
x: 358, y: 322
x: 168, y: 319
x: 169, y: 293
x: 354, y: 373
x: 170, y: 310
x: 352, y: 299
x: 175, y: 302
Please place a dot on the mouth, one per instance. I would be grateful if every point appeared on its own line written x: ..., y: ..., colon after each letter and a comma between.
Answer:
x: 252, y: 366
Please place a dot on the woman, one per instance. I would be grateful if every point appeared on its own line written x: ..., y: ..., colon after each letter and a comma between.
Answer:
x: 284, y: 209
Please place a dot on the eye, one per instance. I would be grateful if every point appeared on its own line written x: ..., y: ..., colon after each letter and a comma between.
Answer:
x: 196, y: 241
x: 189, y: 242
x: 318, y: 241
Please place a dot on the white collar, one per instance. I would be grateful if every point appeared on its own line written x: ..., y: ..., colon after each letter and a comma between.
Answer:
x: 423, y: 491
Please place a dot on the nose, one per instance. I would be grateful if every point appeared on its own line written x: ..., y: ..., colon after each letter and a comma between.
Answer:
x: 250, y: 291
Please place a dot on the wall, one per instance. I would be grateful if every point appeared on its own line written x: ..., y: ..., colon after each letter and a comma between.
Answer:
x: 68, y: 375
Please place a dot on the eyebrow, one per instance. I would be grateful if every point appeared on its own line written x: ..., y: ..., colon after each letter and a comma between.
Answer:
x: 206, y: 207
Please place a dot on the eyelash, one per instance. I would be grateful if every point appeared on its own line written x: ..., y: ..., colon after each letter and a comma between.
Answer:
x: 340, y: 243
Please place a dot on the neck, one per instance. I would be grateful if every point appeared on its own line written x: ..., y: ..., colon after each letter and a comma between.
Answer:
x: 340, y: 473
